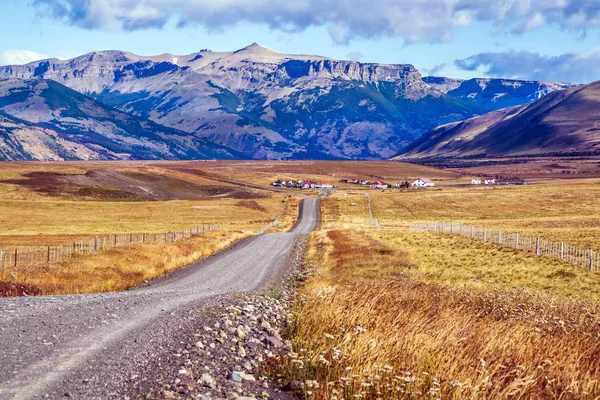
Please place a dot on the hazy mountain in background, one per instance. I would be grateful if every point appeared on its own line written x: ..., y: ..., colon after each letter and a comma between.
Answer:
x: 563, y: 122
x: 268, y: 105
x: 44, y: 120
x: 492, y: 94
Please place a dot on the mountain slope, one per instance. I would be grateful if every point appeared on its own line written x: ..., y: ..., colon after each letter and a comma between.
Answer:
x: 488, y: 94
x: 268, y: 105
x: 44, y: 120
x: 566, y: 121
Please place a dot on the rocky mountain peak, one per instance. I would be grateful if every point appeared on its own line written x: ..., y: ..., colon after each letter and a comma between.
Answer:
x: 256, y: 49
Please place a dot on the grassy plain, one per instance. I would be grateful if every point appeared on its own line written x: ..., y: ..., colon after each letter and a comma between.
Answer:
x: 558, y: 210
x: 394, y: 313
x: 65, y: 204
x: 44, y: 216
x: 117, y: 269
x: 265, y: 172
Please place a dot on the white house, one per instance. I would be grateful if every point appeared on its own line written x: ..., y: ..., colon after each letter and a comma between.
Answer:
x: 326, y: 185
x: 379, y: 185
x: 423, y: 182
x: 476, y: 181
x: 490, y: 181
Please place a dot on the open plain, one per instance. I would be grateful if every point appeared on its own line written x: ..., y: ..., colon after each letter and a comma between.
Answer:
x: 381, y: 311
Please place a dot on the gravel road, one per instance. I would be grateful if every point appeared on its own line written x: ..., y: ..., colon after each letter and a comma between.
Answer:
x: 80, y: 345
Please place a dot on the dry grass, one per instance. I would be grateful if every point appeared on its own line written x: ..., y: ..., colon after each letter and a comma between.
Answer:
x: 557, y: 210
x: 345, y: 210
x: 119, y: 268
x: 30, y: 218
x: 394, y: 313
x: 265, y: 172
x: 52, y: 217
x: 288, y: 217
x: 457, y: 261
x: 365, y: 329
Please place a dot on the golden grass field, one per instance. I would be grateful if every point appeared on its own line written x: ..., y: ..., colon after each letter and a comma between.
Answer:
x: 384, y: 313
x: 558, y: 210
x: 45, y: 215
x: 34, y: 218
x: 395, y: 313
x: 265, y: 172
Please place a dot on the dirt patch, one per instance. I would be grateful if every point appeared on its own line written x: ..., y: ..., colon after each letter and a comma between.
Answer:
x: 8, y: 289
x: 251, y: 204
x: 127, y: 186
x: 80, y: 187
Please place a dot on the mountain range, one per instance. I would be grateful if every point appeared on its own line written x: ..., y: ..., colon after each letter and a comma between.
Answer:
x: 250, y: 103
x: 565, y: 122
x: 44, y: 120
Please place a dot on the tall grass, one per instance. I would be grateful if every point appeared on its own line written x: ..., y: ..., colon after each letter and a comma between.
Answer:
x: 363, y: 328
x: 118, y: 268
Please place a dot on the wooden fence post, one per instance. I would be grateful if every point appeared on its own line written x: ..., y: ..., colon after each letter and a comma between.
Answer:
x: 16, y: 255
x: 484, y: 234
x: 537, y: 246
x: 517, y: 241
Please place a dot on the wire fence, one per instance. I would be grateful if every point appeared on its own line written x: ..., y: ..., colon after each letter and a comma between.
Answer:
x: 373, y: 220
x: 17, y: 257
x: 583, y: 258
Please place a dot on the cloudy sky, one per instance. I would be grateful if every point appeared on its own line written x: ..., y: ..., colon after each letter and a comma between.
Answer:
x: 555, y: 40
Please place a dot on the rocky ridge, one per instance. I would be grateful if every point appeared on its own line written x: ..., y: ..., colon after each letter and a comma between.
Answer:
x: 268, y: 105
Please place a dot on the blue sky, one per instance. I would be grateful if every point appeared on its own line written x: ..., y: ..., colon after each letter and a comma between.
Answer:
x: 546, y: 40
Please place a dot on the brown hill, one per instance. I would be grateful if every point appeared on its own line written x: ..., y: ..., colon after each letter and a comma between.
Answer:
x: 564, y: 122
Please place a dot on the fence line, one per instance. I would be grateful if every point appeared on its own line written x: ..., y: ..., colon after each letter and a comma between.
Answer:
x: 15, y: 257
x: 373, y: 220
x: 270, y: 224
x: 584, y: 258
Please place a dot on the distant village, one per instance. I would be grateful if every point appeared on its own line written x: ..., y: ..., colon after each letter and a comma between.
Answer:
x: 379, y: 184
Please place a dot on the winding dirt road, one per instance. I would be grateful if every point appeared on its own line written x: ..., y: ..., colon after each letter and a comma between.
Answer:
x: 77, y: 345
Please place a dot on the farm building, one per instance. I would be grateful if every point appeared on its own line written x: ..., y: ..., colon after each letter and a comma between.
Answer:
x: 379, y: 185
x: 302, y: 184
x: 476, y: 181
x: 423, y: 182
x: 490, y: 181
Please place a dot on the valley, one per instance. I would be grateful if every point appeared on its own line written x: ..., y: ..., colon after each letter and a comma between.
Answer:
x: 377, y: 309
x: 383, y: 200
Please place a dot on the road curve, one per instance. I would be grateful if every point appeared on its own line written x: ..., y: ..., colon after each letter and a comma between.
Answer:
x: 49, y: 342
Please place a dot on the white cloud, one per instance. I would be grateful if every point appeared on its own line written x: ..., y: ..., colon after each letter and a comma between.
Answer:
x: 413, y: 20
x: 17, y: 57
